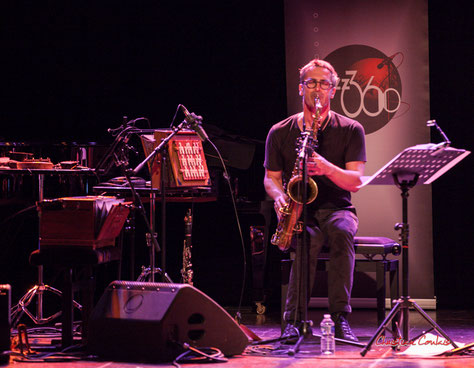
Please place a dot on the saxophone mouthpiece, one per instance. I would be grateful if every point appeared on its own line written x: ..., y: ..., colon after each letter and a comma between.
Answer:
x: 317, y: 103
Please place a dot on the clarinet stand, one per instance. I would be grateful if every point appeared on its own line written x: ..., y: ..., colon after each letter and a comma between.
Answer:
x: 415, y: 165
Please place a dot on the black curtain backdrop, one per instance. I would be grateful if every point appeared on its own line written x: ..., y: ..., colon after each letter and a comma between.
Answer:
x: 70, y: 71
x: 451, y: 92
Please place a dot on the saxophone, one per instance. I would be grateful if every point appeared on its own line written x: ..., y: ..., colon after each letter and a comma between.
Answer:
x: 288, y: 223
x: 187, y: 270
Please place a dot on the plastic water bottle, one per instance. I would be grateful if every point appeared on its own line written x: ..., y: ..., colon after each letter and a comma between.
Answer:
x: 328, y: 344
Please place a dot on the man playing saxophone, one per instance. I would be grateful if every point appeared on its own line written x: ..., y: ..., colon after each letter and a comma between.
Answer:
x: 336, y: 167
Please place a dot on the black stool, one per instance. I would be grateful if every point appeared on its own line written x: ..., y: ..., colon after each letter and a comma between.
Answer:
x: 66, y: 258
x: 375, y: 251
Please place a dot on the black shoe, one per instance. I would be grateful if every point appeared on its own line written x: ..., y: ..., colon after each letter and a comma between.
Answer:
x: 291, y: 334
x: 342, y: 330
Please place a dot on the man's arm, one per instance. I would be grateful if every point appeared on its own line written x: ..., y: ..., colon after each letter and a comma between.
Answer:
x: 348, y: 178
x: 273, y: 183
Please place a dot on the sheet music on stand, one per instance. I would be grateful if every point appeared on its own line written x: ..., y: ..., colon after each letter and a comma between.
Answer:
x: 430, y: 161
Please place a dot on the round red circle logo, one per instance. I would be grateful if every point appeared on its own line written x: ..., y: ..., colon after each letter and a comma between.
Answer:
x: 370, y: 88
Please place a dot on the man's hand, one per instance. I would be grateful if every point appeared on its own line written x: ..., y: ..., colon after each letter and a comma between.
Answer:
x: 274, y: 187
x: 348, y: 178
x: 318, y: 165
x: 280, y: 202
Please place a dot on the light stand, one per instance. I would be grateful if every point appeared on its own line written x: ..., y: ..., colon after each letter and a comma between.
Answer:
x: 415, y: 165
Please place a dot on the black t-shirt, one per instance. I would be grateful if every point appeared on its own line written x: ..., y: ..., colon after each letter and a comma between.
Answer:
x: 342, y: 141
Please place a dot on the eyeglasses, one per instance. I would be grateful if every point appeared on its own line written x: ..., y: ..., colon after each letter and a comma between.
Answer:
x: 312, y: 83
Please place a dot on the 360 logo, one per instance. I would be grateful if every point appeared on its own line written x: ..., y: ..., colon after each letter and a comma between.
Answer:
x: 370, y: 89
x: 382, y: 96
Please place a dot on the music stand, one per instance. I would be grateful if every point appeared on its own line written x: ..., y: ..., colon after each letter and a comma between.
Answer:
x: 421, y: 164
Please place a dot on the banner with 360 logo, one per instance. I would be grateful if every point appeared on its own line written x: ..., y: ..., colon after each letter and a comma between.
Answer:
x: 379, y: 49
x: 370, y: 87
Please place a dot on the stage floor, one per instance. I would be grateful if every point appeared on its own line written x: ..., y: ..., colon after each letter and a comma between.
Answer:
x: 458, y: 325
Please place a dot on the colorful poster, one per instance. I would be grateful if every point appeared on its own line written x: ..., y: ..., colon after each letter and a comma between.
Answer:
x: 380, y: 50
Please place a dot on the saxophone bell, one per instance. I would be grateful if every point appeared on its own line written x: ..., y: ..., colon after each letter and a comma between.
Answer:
x: 295, y: 189
x: 288, y: 215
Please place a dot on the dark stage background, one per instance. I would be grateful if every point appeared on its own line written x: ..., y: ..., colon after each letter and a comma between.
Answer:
x: 71, y: 71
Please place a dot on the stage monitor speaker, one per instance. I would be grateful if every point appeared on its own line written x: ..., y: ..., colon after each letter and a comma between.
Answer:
x: 5, y: 322
x: 144, y: 321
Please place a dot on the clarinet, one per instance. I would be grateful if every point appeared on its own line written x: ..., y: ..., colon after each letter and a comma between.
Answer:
x: 187, y: 270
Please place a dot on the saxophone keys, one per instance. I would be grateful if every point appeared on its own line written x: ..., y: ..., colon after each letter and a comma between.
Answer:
x: 284, y: 210
x: 298, y: 229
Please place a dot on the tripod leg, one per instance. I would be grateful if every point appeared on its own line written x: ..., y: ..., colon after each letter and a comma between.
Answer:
x: 18, y: 310
x: 67, y: 315
x: 22, y: 307
x: 296, y: 348
x: 394, y: 291
x: 39, y: 295
x: 433, y: 323
x: 382, y: 327
x: 405, y: 323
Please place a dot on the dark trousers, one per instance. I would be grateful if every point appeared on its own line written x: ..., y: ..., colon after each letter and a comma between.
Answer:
x: 336, y: 229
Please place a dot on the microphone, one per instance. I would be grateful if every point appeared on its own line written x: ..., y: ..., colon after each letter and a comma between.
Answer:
x: 194, y: 121
x: 431, y: 123
x: 386, y: 61
x: 121, y: 127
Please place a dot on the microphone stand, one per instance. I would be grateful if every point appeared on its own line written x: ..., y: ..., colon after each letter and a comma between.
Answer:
x: 122, y: 163
x: 150, y: 227
x: 446, y: 142
x: 302, y: 256
x: 103, y: 167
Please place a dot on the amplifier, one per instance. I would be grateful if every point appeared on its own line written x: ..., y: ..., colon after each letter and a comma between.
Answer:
x: 186, y: 165
x: 90, y: 221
